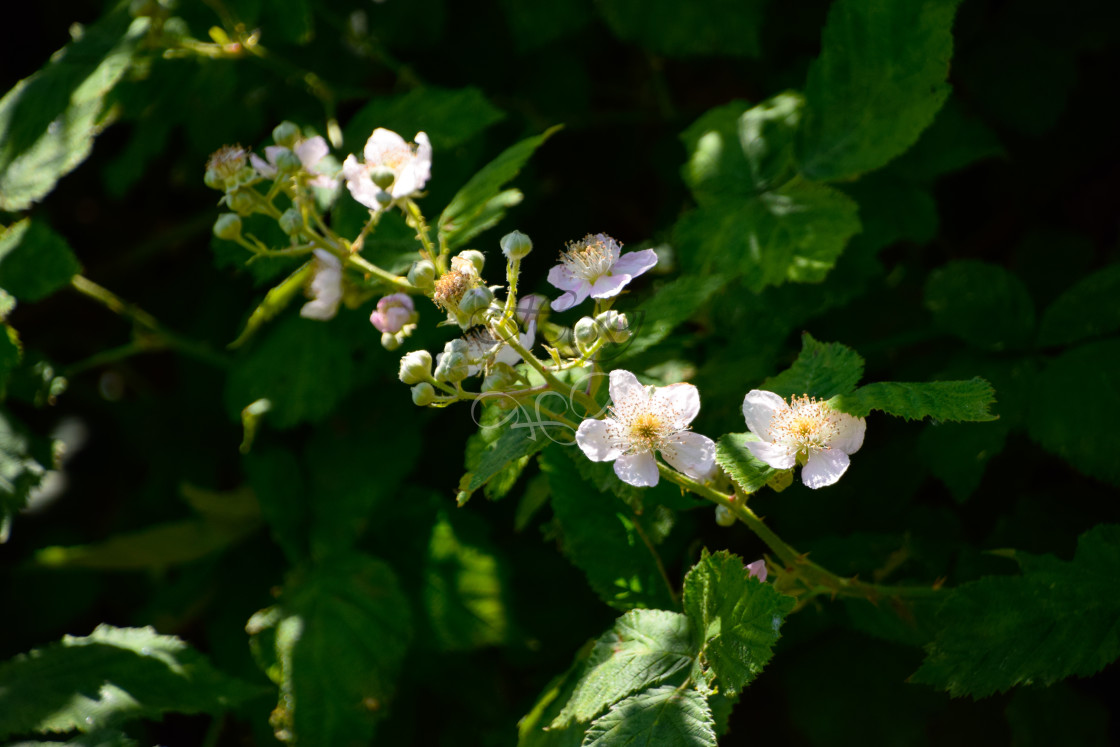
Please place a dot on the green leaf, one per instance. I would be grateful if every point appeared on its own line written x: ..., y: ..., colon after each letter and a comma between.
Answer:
x: 533, y: 25
x: 533, y: 729
x: 334, y: 644
x: 748, y: 471
x: 716, y: 166
x: 603, y: 537
x: 96, y: 739
x: 655, y: 318
x: 982, y: 304
x: 11, y: 353
x: 665, y: 716
x: 878, y: 82
x: 1088, y: 309
x: 275, y: 301
x: 766, y: 134
x: 500, y: 450
x: 280, y: 487
x: 953, y: 141
x: 112, y: 676
x: 701, y: 27
x: 940, y: 400
x: 793, y: 234
x: 1075, y: 407
x: 645, y: 648
x: 35, y: 261
x: 958, y: 454
x: 1056, y: 620
x: 24, y: 461
x: 49, y: 119
x: 735, y: 618
x: 449, y: 116
x: 822, y: 370
x: 463, y: 592
x: 481, y: 203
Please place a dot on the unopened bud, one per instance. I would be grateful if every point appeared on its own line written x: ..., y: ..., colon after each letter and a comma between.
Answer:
x: 288, y: 162
x: 227, y: 226
x: 286, y: 134
x: 452, y: 367
x: 586, y: 333
x: 423, y: 394
x: 475, y: 257
x: 516, y: 245
x: 476, y: 300
x: 384, y: 199
x: 241, y: 202
x: 724, y: 517
x: 614, y: 326
x: 422, y: 274
x: 214, y: 180
x: 416, y: 367
x: 382, y: 176
x: 389, y: 341
x: 291, y: 221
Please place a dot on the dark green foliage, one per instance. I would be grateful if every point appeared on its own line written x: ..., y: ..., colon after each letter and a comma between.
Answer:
x: 982, y: 304
x: 35, y: 261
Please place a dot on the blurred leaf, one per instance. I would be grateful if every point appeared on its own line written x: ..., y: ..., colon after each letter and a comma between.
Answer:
x: 463, y: 592
x: 939, y: 400
x: 604, y: 539
x: 112, y: 676
x: 449, y: 117
x: 644, y: 648
x: 534, y: 25
x: 982, y: 304
x: 958, y: 454
x: 35, y: 261
x: 766, y: 134
x: 892, y: 210
x: 281, y: 489
x: 11, y: 353
x: 735, y: 618
x: 49, y: 119
x: 822, y: 370
x: 665, y: 716
x: 1058, y: 714
x: 953, y: 141
x: 716, y: 166
x: 698, y: 28
x: 481, y: 203
x: 24, y: 461
x: 1056, y: 620
x: 748, y: 471
x: 291, y: 20
x: 500, y: 449
x: 275, y: 301
x: 96, y: 739
x: 878, y: 82
x: 334, y: 644
x: 1088, y: 309
x: 672, y: 305
x: 1076, y: 405
x: 534, y: 730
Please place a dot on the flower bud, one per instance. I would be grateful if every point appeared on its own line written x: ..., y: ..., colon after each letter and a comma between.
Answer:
x: 382, y: 176
x: 516, y: 245
x: 175, y: 28
x: 241, y: 202
x: 422, y: 274
x: 227, y: 226
x: 475, y: 257
x: 291, y: 221
x: 451, y: 367
x: 586, y: 333
x: 288, y: 162
x: 214, y: 180
x: 383, y: 199
x: 476, y: 300
x: 757, y: 568
x: 614, y: 326
x: 286, y: 134
x: 389, y: 341
x: 501, y: 378
x: 393, y: 313
x: 423, y: 394
x: 416, y: 367
x: 724, y: 517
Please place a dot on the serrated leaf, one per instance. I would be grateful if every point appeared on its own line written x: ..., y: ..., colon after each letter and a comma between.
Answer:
x: 748, y: 471
x: 717, y: 167
x: 701, y: 27
x: 939, y: 400
x: 766, y: 135
x: 645, y: 648
x: 112, y: 676
x: 958, y: 454
x: 35, y: 261
x: 449, y: 116
x: 533, y: 729
x: 982, y: 304
x: 953, y: 141
x: 501, y: 448
x: 473, y: 208
x: 49, y: 119
x: 822, y: 370
x: 603, y: 537
x: 656, y: 317
x: 664, y: 716
x: 334, y: 644
x: 1088, y: 309
x: 736, y: 618
x: 879, y: 81
x: 1075, y: 405
x: 1056, y: 620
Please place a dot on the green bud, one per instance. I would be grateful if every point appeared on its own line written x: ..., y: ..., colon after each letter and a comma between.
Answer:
x: 516, y: 245
x: 422, y: 274
x: 384, y: 199
x: 586, y: 333
x: 286, y: 134
x: 452, y: 367
x: 416, y: 367
x: 214, y: 180
x: 389, y: 341
x: 176, y: 28
x: 476, y: 300
x: 241, y: 202
x: 423, y: 394
x: 475, y: 257
x: 614, y: 326
x: 724, y: 517
x: 227, y: 226
x: 141, y: 8
x: 288, y: 162
x: 291, y: 221
x: 382, y: 176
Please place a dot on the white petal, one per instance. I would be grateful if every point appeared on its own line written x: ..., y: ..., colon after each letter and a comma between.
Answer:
x: 380, y: 142
x: 594, y: 439
x: 352, y: 169
x: 690, y: 453
x: 639, y: 470
x: 682, y: 399
x: 607, y: 286
x: 635, y: 263
x: 311, y: 151
x: 759, y: 407
x: 775, y: 455
x: 850, y: 435
x: 825, y: 466
x: 625, y: 386
x: 561, y: 277
x: 757, y: 569
x: 263, y: 168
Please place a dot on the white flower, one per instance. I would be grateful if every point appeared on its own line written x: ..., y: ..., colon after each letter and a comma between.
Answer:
x: 309, y: 152
x: 645, y: 419
x: 593, y: 266
x: 806, y: 430
x: 326, y: 288
x: 411, y: 166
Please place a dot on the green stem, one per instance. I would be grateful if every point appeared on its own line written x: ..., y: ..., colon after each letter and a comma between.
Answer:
x: 397, y: 282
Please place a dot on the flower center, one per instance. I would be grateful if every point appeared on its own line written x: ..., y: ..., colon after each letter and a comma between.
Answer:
x: 589, y: 258
x: 641, y: 424
x: 397, y: 157
x: 450, y: 288
x: 808, y: 424
x: 228, y: 160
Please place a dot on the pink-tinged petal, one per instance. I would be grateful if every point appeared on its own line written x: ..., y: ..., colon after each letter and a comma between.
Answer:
x: 352, y: 169
x: 690, y: 453
x: 825, y: 466
x: 682, y: 399
x: 311, y: 151
x: 612, y: 246
x: 319, y: 310
x: 635, y: 263
x: 759, y: 408
x: 593, y: 437
x: 263, y: 168
x: 272, y: 152
x: 609, y: 285
x: 568, y: 299
x: 849, y: 436
x: 323, y: 182
x: 380, y: 143
x: 625, y: 387
x: 561, y: 277
x: 775, y: 455
x: 639, y: 470
x: 757, y: 569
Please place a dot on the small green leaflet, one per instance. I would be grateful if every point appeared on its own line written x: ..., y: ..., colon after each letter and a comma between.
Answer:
x: 940, y: 400
x: 766, y: 134
x: 1086, y: 310
x: 25, y: 459
x: 748, y: 471
x: 35, y: 261
x: 665, y: 716
x: 1056, y: 620
x: 823, y: 370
